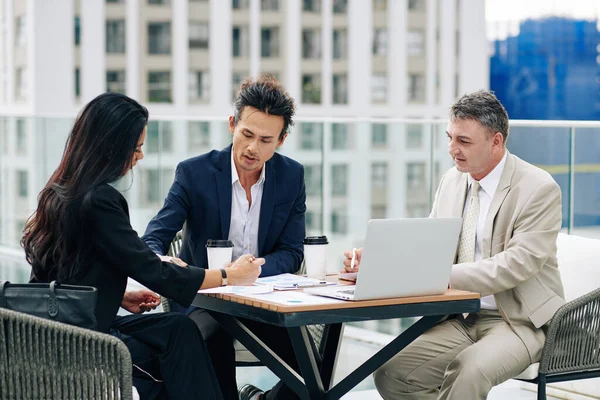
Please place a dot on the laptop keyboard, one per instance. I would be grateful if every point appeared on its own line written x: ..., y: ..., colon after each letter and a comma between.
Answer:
x: 350, y: 291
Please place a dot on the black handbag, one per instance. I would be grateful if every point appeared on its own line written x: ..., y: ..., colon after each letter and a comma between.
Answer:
x: 70, y: 304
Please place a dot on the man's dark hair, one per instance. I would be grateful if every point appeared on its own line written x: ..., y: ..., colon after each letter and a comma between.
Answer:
x: 484, y: 107
x: 266, y: 95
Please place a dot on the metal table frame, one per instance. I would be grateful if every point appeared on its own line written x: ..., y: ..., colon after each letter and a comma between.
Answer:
x: 317, y: 372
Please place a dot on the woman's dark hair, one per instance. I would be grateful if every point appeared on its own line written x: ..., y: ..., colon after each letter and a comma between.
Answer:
x: 99, y: 150
x: 268, y: 96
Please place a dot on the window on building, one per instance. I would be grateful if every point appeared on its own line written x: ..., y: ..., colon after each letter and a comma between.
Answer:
x: 416, y: 88
x: 339, y: 136
x: 311, y: 5
x: 379, y: 87
x: 199, y: 86
x: 378, y: 211
x: 339, y: 179
x: 237, y: 78
x: 198, y: 136
x: 22, y: 84
x: 312, y: 180
x: 198, y: 35
x: 416, y: 43
x: 21, y: 31
x: 240, y: 41
x: 269, y: 42
x: 415, y: 174
x: 159, y: 2
x: 380, y: 5
x: 339, y: 222
x: 115, y: 81
x: 311, y: 43
x: 379, y: 175
x: 159, y: 137
x: 115, y: 36
x: 22, y: 183
x: 313, y: 222
x: 240, y: 4
x: 77, y: 30
x: 416, y: 5
x: 115, y: 1
x: 311, y: 88
x: 21, y: 136
x: 414, y: 136
x: 311, y: 136
x: 269, y: 5
x: 380, y: 42
x: 159, y: 38
x: 340, y: 44
x: 77, y: 82
x: 159, y: 87
x: 340, y: 89
x: 340, y: 6
x: 378, y: 135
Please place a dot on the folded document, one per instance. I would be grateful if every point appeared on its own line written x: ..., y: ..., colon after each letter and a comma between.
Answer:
x: 291, y: 282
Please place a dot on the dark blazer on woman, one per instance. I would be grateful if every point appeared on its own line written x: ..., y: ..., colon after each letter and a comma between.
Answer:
x: 116, y: 253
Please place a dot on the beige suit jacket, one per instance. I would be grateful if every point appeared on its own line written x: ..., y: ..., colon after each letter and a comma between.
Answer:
x: 519, y: 265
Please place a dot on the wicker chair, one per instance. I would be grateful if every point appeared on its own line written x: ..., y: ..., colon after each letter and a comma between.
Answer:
x: 245, y: 358
x: 43, y: 359
x: 572, y: 347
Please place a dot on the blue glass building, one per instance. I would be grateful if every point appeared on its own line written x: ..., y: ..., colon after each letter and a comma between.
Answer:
x: 551, y: 71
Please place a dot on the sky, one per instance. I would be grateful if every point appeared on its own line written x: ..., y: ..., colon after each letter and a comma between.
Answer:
x: 503, y: 16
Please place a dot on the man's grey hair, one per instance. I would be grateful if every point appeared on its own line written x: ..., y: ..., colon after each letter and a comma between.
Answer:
x: 484, y: 107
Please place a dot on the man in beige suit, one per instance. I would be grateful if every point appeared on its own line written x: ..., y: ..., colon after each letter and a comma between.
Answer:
x: 507, y: 252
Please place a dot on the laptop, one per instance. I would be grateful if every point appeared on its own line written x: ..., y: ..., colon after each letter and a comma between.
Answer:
x: 402, y: 257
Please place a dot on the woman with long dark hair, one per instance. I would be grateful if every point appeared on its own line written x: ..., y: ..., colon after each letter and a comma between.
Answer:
x: 81, y: 234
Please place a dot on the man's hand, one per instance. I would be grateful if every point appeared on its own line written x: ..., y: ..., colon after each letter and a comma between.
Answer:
x: 140, y: 301
x: 348, y: 260
x: 244, y: 271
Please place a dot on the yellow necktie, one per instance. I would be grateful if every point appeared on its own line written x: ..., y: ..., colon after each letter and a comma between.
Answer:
x: 466, y: 248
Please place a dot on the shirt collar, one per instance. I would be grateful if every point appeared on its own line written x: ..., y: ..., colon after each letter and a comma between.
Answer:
x: 490, y: 182
x: 235, y: 177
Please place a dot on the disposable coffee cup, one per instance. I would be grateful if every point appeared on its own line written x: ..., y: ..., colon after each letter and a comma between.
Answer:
x: 219, y: 253
x: 315, y: 256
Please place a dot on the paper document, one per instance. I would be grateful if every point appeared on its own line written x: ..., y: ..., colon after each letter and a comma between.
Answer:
x: 291, y: 282
x: 294, y: 298
x: 242, y: 290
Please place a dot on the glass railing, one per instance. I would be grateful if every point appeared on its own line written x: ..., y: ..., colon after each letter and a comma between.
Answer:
x: 355, y: 170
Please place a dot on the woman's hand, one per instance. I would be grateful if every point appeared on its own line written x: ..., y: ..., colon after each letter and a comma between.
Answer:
x: 244, y: 271
x: 348, y: 261
x: 140, y: 301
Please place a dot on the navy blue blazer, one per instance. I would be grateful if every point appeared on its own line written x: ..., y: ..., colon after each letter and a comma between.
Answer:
x: 201, y: 197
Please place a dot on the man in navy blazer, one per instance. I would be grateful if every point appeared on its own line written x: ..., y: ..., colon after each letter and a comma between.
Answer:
x: 251, y: 195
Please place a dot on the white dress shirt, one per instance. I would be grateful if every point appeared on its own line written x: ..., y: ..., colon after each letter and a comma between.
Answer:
x: 245, y: 218
x: 489, y: 184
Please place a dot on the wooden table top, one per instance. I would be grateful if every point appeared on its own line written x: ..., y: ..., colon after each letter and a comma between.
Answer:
x: 330, y: 303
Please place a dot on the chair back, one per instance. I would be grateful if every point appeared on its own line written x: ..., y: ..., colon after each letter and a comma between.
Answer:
x: 43, y: 359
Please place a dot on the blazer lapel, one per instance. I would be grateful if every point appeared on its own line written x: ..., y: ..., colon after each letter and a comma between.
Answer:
x: 459, y: 199
x: 266, y: 206
x: 223, y: 182
x: 499, y: 196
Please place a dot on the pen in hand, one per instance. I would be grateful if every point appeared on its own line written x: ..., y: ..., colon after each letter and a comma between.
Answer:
x: 353, y: 260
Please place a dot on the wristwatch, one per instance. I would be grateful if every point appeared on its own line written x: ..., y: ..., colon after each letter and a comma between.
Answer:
x: 223, y: 277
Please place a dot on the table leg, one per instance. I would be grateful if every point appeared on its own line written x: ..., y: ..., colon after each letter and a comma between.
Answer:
x: 382, y: 356
x: 269, y: 358
x: 307, y: 362
x: 330, y: 352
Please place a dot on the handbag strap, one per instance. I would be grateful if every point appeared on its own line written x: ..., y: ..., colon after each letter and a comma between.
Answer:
x: 52, y: 300
x: 2, y: 298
